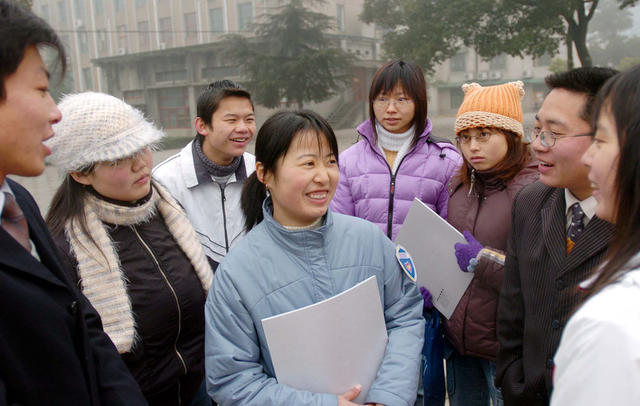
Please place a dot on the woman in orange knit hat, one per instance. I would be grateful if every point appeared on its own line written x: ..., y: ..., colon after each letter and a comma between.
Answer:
x: 497, y: 164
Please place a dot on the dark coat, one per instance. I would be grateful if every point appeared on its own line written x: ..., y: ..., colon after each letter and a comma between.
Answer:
x: 540, y: 290
x: 52, y: 347
x: 167, y: 358
x: 487, y: 215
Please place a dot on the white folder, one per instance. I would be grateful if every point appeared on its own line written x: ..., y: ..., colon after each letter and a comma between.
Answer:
x: 430, y: 240
x: 330, y: 346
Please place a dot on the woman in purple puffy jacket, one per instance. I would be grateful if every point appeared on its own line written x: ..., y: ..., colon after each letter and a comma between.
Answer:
x: 397, y: 158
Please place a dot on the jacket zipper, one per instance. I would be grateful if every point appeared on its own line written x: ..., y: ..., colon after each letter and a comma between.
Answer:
x: 223, y: 198
x: 392, y: 185
x: 175, y: 297
x: 392, y: 192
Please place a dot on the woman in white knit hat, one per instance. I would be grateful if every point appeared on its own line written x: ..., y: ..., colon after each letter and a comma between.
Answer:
x: 129, y: 246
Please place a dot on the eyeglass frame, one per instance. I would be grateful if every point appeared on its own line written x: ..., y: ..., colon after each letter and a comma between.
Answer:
x: 396, y: 102
x: 532, y: 136
x: 477, y: 138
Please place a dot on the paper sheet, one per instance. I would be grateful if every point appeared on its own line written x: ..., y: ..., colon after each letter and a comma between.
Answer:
x: 429, y: 239
x: 330, y: 346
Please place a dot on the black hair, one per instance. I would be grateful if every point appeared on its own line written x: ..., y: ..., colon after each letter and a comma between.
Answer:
x: 68, y: 205
x: 210, y: 98
x: 411, y: 77
x: 620, y: 97
x: 19, y: 29
x: 272, y: 143
x: 581, y: 80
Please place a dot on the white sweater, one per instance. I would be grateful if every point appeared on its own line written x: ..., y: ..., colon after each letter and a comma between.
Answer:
x: 598, y: 360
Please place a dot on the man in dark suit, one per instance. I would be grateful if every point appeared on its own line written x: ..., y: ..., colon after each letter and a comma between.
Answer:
x: 556, y: 241
x: 52, y: 347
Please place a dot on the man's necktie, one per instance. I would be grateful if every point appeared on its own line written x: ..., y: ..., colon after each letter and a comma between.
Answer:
x: 576, y: 227
x: 14, y: 223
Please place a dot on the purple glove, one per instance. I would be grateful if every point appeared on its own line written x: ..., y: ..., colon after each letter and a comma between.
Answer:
x: 426, y: 296
x: 466, y: 253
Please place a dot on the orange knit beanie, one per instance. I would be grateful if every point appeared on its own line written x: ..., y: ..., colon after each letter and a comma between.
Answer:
x: 496, y: 106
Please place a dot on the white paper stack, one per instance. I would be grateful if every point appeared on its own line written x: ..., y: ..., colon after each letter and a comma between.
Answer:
x: 330, y: 346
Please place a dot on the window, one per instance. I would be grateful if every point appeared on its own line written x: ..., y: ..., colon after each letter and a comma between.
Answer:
x: 245, y: 16
x: 167, y: 74
x: 459, y: 62
x: 217, y: 68
x: 83, y: 41
x: 171, y: 70
x: 166, y: 35
x: 122, y: 36
x: 340, y: 17
x: 456, y: 96
x: 119, y: 5
x: 78, y: 5
x: 66, y: 41
x: 173, y: 108
x: 136, y: 99
x: 143, y: 34
x: 45, y: 12
x: 98, y: 7
x: 101, y: 39
x: 62, y: 12
x: 88, y: 78
x: 190, y: 25
x: 543, y: 60
x: 498, y: 62
x: 216, y: 22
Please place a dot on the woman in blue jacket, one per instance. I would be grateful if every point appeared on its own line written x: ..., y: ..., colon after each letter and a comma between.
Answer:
x: 296, y: 254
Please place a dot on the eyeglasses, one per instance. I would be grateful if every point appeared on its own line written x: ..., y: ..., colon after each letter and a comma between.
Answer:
x: 548, y: 138
x: 383, y: 102
x: 481, y: 138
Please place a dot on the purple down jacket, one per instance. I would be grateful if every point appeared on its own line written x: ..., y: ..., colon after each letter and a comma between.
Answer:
x: 367, y: 189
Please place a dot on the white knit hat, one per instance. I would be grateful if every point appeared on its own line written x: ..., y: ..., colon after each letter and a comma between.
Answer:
x: 97, y: 127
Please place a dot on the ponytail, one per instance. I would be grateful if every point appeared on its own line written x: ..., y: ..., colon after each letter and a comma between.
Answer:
x: 253, y: 194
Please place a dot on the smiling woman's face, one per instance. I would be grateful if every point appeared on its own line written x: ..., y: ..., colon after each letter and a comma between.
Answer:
x: 127, y: 179
x: 304, y: 182
x: 602, y: 160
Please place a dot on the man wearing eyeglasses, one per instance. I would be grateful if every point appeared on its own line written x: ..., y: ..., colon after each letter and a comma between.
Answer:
x: 556, y: 241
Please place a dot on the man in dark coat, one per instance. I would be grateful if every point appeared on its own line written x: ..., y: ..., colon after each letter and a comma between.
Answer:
x: 52, y: 347
x: 556, y: 241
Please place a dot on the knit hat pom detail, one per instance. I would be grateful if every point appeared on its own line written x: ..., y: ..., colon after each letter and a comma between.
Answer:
x: 468, y: 87
x: 518, y: 85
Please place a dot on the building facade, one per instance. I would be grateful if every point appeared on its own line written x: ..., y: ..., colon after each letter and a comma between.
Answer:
x: 445, y: 87
x: 159, y: 54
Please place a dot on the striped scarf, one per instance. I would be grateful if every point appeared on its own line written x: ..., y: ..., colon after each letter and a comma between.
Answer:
x: 99, y: 270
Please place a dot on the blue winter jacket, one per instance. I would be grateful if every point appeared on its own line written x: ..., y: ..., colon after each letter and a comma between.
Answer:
x: 275, y: 270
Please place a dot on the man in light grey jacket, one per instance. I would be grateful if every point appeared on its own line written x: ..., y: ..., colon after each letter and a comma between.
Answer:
x: 206, y: 176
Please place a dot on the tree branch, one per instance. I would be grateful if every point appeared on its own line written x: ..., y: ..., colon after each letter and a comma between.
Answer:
x: 592, y: 10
